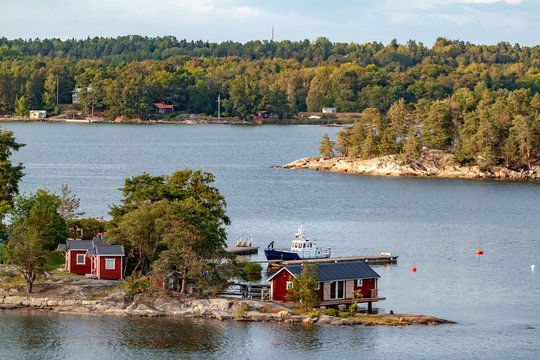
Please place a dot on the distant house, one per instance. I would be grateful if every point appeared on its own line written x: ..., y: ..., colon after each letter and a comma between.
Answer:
x: 262, y: 114
x: 38, y: 114
x: 164, y: 109
x: 92, y: 257
x: 337, y: 283
x: 75, y: 95
x: 329, y: 110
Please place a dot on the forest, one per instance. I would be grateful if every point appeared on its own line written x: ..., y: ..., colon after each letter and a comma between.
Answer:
x: 478, y: 101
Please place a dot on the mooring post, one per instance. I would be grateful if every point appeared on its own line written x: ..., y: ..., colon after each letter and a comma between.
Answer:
x: 369, y: 308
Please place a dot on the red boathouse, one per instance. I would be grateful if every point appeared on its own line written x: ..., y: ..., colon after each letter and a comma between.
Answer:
x: 338, y: 283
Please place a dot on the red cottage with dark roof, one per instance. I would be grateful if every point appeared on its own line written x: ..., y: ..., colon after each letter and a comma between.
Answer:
x: 337, y: 283
x: 164, y: 109
x: 87, y: 257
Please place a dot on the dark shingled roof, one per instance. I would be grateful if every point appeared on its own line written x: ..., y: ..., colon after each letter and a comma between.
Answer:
x: 111, y: 250
x: 80, y: 244
x: 339, y: 271
x: 94, y: 247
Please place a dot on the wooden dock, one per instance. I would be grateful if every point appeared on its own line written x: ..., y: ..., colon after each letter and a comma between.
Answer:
x: 242, y: 250
x: 370, y: 259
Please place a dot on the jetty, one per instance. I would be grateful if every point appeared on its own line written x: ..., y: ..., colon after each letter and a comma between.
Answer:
x: 384, y: 258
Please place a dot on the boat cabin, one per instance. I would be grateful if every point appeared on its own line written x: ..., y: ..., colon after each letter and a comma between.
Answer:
x: 307, y: 249
x: 339, y: 283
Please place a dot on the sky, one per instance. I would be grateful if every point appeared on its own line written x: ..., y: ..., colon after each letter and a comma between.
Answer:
x: 359, y: 21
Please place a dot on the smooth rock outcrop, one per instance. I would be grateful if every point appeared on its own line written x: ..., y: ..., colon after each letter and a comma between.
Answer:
x: 431, y: 163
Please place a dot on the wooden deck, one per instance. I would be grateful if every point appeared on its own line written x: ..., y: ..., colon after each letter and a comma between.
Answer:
x: 370, y: 259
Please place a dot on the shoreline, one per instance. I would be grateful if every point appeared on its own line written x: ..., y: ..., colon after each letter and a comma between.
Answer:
x: 430, y: 164
x: 221, y: 309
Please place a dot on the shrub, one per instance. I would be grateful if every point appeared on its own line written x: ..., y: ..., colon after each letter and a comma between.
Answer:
x: 332, y: 312
x: 136, y: 283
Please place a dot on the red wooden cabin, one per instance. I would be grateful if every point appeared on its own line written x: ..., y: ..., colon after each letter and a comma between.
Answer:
x: 337, y: 283
x: 87, y: 257
x: 164, y: 109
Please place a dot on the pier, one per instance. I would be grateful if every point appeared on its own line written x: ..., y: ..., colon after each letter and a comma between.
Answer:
x: 370, y: 259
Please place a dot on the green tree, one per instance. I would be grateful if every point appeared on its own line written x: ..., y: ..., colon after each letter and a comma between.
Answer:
x: 10, y: 174
x: 22, y: 108
x: 326, y: 148
x: 36, y: 229
x: 69, y: 204
x: 304, y: 285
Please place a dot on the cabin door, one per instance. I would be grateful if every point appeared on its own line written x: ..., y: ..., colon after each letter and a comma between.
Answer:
x: 337, y: 289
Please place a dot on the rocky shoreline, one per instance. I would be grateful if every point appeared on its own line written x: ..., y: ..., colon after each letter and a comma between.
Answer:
x: 79, y: 295
x: 212, y: 308
x: 431, y: 163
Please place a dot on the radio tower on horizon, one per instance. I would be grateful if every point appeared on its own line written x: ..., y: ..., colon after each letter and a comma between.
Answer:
x: 272, y: 32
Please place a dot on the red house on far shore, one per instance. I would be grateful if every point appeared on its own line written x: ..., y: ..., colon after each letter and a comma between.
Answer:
x: 92, y: 257
x: 164, y: 109
x: 337, y: 283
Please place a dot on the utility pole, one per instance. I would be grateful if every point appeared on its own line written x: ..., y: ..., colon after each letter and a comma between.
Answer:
x: 219, y: 106
x: 272, y: 32
x: 57, y: 91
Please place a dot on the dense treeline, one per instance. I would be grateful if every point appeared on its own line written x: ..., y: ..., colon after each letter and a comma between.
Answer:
x: 124, y: 76
x: 478, y: 101
x: 483, y: 129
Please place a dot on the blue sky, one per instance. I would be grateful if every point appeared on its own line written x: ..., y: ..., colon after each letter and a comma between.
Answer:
x: 360, y: 21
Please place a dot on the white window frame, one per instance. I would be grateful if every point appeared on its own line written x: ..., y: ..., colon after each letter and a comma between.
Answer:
x: 108, y: 262
x: 289, y: 285
x: 359, y: 282
x: 83, y: 259
x: 318, y: 287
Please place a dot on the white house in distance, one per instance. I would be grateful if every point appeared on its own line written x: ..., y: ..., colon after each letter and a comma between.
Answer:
x: 75, y: 97
x: 329, y: 110
x: 38, y: 114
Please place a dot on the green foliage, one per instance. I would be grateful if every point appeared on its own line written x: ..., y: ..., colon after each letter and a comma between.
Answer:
x: 22, y: 108
x: 69, y: 204
x: 136, y: 283
x: 304, y: 284
x: 36, y: 229
x: 332, y: 312
x: 85, y: 228
x: 10, y: 174
x: 326, y: 148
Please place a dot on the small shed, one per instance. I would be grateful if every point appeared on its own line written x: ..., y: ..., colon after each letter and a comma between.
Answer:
x: 38, y: 114
x: 164, y: 109
x: 109, y: 261
x: 338, y: 283
x: 329, y: 110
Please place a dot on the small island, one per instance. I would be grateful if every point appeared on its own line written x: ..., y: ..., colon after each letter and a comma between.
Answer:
x: 75, y: 294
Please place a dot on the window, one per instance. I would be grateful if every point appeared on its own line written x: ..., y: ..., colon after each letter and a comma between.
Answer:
x: 81, y: 259
x: 289, y: 284
x: 318, y: 286
x: 110, y: 264
x: 337, y: 289
x: 359, y: 282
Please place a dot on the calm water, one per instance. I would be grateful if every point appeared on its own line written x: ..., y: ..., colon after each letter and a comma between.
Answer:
x: 433, y: 224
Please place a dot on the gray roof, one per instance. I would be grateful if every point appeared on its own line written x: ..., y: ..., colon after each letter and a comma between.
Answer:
x: 80, y: 244
x: 111, y: 250
x: 93, y: 247
x: 339, y: 271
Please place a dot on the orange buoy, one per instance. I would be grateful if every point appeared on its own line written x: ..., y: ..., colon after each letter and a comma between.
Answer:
x: 414, y: 269
x: 479, y: 252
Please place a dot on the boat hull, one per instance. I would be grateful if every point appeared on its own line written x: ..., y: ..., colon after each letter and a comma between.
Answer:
x: 280, y: 255
x: 286, y: 255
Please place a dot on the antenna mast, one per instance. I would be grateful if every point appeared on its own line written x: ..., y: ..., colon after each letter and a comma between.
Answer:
x: 272, y: 32
x: 219, y: 106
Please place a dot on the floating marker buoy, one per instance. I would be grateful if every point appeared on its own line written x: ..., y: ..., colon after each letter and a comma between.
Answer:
x: 479, y: 252
x: 414, y: 269
x: 532, y: 267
